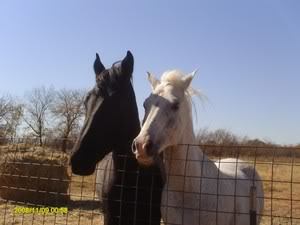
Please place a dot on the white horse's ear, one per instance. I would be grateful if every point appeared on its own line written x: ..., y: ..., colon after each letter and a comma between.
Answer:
x: 153, y: 81
x: 188, y: 79
x: 194, y: 72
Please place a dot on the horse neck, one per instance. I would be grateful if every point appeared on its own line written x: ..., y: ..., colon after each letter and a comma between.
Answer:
x: 133, y: 120
x: 182, y: 161
x: 176, y: 157
x: 130, y: 125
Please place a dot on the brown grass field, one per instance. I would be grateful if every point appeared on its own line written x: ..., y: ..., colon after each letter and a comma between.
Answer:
x: 281, y: 177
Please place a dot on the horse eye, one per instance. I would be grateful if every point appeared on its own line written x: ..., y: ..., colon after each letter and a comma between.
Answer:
x: 175, y: 106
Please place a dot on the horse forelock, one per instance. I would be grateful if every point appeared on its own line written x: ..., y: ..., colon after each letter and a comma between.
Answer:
x: 174, y: 77
x: 111, y: 80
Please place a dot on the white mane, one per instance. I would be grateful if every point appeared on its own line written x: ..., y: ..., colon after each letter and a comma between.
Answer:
x: 174, y: 77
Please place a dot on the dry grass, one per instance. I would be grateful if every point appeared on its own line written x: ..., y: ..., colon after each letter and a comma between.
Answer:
x: 282, y: 190
x: 281, y: 177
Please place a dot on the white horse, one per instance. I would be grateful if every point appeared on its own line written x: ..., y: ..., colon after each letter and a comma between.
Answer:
x: 197, y: 190
x: 104, y: 176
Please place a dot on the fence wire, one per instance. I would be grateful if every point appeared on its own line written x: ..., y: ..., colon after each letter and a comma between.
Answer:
x: 37, y: 186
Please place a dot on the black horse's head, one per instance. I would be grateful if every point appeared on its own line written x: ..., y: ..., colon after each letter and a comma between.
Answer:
x: 111, y: 121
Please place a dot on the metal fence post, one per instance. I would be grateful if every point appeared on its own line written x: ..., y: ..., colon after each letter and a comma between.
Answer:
x: 253, y: 205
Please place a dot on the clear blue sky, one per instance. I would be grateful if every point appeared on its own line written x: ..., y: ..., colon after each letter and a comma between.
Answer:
x: 247, y: 52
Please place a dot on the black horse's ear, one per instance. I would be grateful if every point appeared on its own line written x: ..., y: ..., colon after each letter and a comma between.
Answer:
x: 127, y: 64
x: 98, y: 66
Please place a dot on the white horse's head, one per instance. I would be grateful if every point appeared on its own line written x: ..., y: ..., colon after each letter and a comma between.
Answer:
x: 167, y: 115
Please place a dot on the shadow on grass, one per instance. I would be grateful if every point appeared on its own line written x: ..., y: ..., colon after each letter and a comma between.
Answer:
x: 84, y: 204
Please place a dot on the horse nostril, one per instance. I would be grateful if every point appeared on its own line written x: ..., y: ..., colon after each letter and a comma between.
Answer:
x: 147, y: 147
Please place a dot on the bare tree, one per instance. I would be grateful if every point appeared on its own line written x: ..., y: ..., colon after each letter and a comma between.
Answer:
x: 10, y: 117
x: 68, y: 110
x: 225, y: 137
x: 37, y: 111
x: 5, y: 107
x: 219, y: 137
x: 13, y: 121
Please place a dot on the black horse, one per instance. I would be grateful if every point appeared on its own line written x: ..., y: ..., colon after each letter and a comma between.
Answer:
x: 111, y: 124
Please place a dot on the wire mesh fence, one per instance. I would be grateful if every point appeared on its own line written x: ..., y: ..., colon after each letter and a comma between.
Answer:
x: 37, y: 186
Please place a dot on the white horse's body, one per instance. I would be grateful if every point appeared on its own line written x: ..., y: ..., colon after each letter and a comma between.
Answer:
x: 198, y: 191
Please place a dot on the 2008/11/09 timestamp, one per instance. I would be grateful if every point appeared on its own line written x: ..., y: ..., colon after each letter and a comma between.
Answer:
x: 41, y: 210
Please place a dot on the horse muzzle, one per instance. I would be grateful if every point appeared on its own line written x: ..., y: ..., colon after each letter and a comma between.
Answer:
x: 143, y: 151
